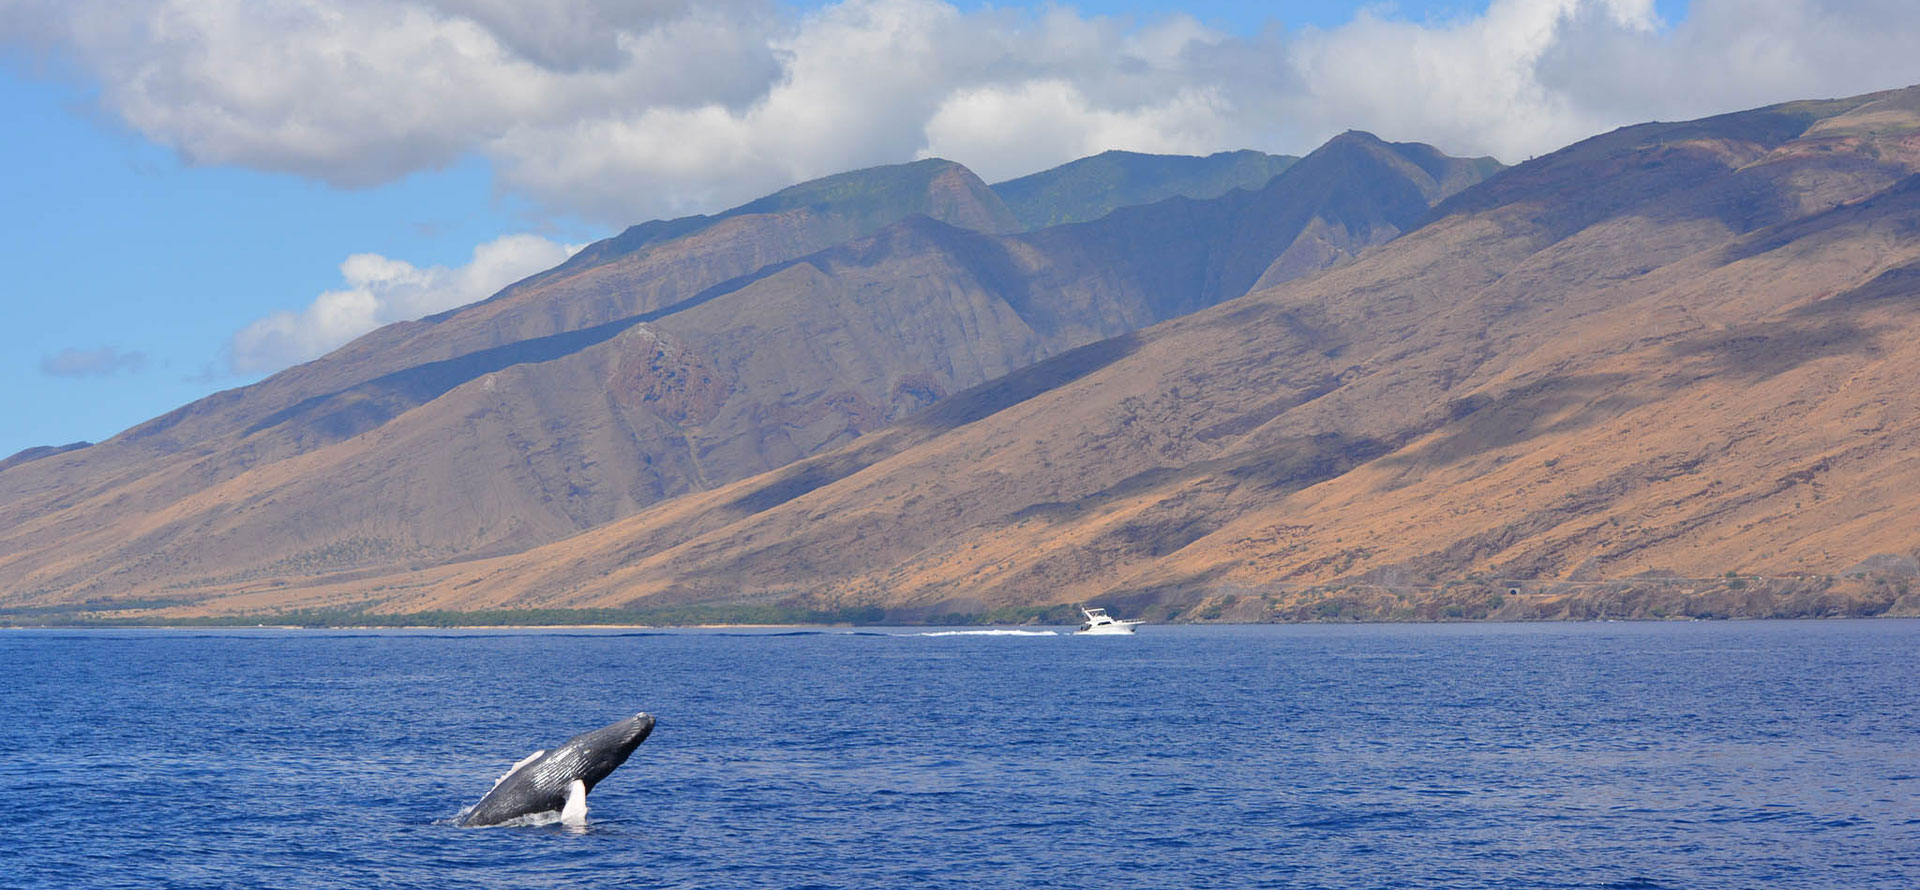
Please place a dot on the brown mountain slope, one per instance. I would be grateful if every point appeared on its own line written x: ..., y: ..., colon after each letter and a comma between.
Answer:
x: 397, y: 367
x: 512, y: 446
x: 1674, y: 350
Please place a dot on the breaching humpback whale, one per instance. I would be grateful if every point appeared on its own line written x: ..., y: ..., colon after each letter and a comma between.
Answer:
x: 559, y: 779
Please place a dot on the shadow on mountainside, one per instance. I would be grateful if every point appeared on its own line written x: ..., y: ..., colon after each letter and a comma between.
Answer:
x: 954, y: 411
x: 1754, y: 352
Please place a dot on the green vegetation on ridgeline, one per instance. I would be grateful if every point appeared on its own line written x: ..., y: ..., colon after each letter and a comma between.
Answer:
x: 1092, y: 187
x: 871, y: 198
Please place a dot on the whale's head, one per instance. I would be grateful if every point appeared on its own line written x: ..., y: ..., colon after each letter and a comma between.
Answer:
x: 604, y: 749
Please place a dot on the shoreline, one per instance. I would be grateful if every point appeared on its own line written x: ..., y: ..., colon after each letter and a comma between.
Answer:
x: 103, y: 625
x: 1662, y: 598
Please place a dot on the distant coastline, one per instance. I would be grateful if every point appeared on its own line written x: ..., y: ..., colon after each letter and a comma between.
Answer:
x: 1661, y: 598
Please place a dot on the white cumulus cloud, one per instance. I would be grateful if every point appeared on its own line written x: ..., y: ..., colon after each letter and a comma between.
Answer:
x: 623, y: 110
x: 377, y: 291
x: 996, y: 128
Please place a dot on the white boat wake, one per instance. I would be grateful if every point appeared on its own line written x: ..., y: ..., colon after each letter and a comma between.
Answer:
x: 984, y: 633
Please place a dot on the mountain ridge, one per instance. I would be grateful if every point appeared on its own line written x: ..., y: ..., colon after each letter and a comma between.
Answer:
x: 588, y: 424
x: 1091, y: 187
x: 1662, y: 370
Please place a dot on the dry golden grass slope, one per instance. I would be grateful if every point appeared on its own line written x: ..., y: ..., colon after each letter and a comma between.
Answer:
x: 1675, y: 350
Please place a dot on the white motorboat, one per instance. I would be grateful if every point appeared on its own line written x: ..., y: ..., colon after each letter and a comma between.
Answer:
x: 1099, y: 622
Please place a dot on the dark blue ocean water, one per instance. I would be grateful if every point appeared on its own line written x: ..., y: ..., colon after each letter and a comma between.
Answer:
x: 1659, y: 755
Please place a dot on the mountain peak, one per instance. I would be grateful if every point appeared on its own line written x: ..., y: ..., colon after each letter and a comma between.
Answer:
x: 876, y: 196
x: 1409, y: 176
x: 1361, y: 137
x: 1092, y: 187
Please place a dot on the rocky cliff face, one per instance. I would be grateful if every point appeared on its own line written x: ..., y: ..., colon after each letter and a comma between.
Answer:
x: 1610, y: 376
x: 676, y: 358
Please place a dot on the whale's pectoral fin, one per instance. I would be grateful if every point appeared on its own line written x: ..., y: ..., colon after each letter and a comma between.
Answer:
x: 575, y: 812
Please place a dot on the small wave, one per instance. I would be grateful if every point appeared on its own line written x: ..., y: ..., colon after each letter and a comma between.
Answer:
x: 758, y: 634
x: 983, y: 633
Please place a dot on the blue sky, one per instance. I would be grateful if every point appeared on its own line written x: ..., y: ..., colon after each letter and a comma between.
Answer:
x: 157, y: 252
x: 113, y: 243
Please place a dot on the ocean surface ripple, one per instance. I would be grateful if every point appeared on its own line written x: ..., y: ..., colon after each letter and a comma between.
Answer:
x: 1655, y: 755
